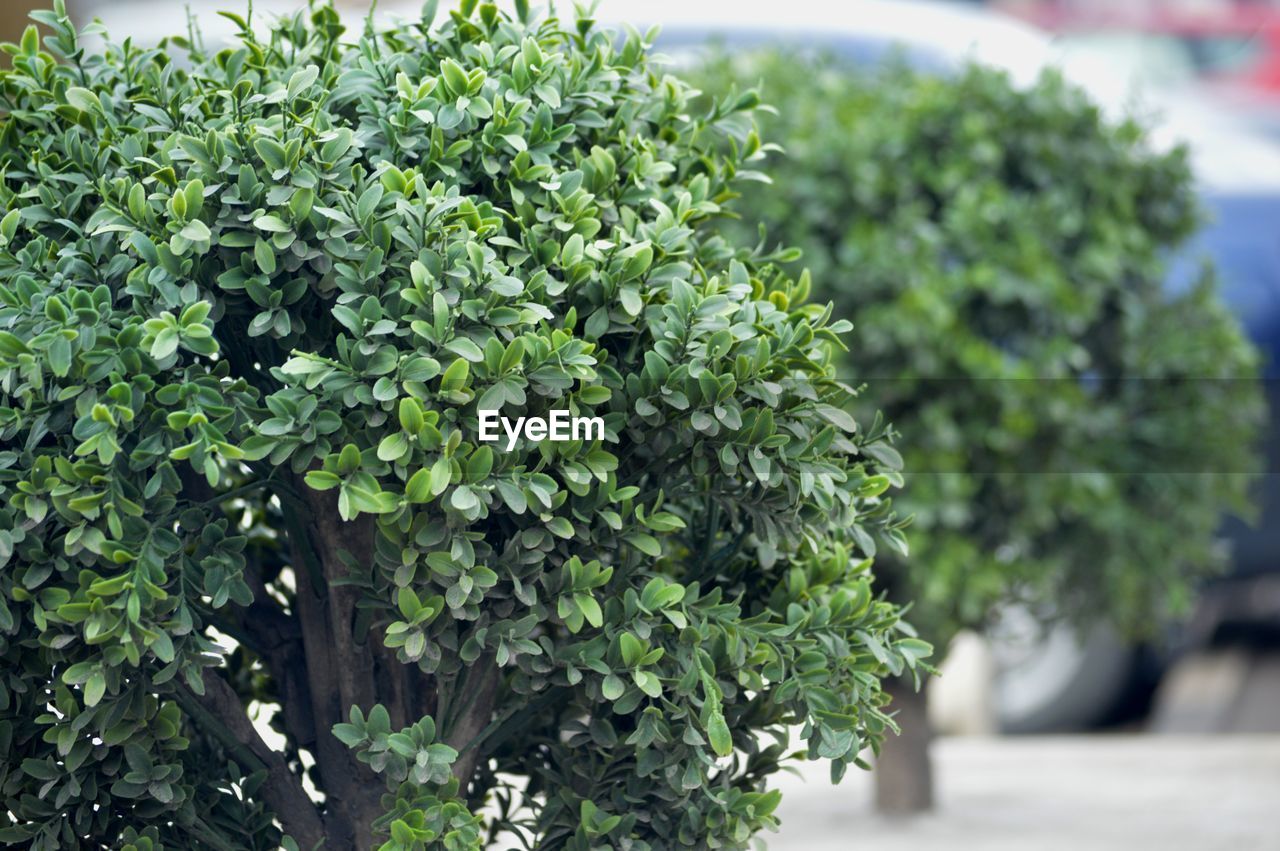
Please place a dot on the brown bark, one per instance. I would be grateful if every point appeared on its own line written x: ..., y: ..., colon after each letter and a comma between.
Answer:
x: 482, y: 689
x: 324, y: 659
x: 904, y: 770
x: 339, y: 662
x: 283, y: 790
x: 277, y: 639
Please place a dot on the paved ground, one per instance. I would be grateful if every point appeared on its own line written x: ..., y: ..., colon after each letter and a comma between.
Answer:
x: 1101, y: 793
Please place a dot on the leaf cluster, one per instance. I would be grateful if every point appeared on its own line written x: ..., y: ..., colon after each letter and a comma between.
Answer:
x: 250, y: 306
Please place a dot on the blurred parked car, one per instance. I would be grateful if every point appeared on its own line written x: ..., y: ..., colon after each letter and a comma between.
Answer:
x: 1059, y: 680
x: 1231, y: 41
x: 1232, y: 47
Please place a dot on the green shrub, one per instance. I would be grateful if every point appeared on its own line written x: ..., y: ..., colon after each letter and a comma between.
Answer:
x: 1073, y: 430
x: 250, y: 307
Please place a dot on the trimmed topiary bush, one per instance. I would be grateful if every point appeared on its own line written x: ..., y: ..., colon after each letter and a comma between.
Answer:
x: 251, y: 306
x: 1073, y: 430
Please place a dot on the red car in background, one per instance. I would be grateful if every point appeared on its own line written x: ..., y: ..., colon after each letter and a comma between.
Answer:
x: 1231, y: 43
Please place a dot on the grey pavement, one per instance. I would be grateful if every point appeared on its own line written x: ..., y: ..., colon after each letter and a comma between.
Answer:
x: 1083, y: 793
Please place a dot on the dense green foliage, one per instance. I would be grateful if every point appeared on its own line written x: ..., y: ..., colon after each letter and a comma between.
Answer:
x: 1073, y: 431
x: 250, y: 304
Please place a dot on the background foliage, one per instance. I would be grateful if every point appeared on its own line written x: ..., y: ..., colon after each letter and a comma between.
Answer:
x: 249, y: 307
x: 1073, y: 430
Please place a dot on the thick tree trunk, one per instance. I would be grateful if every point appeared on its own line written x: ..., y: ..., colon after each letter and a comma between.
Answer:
x: 340, y: 665
x: 325, y: 656
x: 904, y: 771
x: 347, y: 665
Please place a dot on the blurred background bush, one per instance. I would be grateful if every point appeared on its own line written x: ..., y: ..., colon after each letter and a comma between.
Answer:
x: 1073, y: 430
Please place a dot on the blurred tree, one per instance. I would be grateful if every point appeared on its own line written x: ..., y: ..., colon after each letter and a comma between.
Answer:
x: 1073, y: 430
